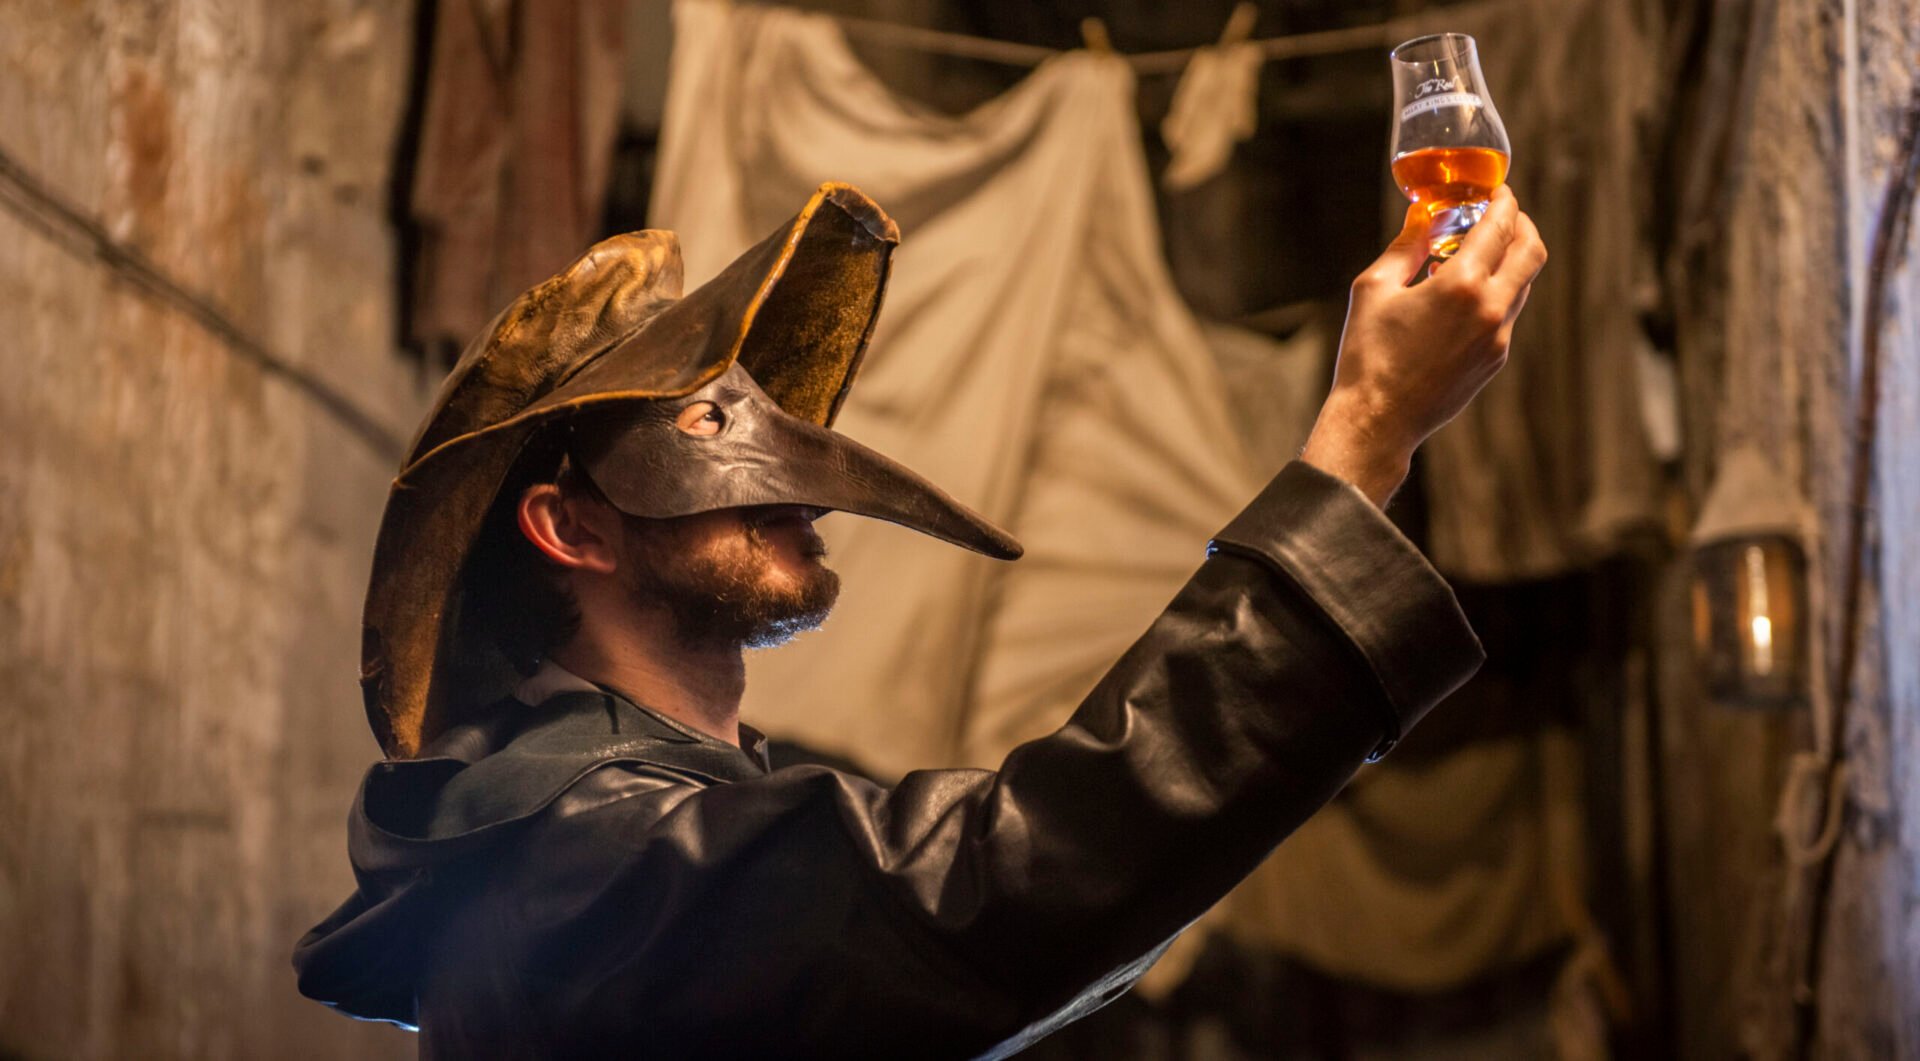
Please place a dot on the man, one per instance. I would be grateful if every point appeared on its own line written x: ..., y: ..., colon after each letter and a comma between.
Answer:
x: 614, y: 496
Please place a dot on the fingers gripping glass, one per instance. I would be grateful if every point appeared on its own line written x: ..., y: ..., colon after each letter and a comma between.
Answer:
x: 1449, y: 149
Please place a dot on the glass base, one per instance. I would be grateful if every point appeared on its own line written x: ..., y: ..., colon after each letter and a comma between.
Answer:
x: 1449, y: 228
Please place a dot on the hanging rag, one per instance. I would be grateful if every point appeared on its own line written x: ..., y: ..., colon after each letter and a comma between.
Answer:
x: 1033, y: 357
x: 1215, y: 106
x: 516, y: 145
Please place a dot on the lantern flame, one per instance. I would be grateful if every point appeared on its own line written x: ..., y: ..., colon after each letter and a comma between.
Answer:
x: 1761, y: 623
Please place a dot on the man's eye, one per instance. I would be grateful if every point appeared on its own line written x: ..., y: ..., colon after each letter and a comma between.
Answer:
x: 701, y: 419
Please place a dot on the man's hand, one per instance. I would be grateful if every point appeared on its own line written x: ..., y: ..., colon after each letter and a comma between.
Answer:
x: 1412, y: 357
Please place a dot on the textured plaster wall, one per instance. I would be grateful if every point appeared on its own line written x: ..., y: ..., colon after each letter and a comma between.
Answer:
x: 183, y: 538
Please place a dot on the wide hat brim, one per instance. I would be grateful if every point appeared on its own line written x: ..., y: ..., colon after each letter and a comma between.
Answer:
x: 795, y: 311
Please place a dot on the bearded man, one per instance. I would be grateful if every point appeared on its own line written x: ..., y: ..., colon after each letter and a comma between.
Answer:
x: 575, y: 849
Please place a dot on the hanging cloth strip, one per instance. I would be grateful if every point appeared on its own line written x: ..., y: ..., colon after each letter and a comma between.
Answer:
x: 1551, y: 468
x: 1034, y: 359
x: 516, y: 140
x: 1216, y: 104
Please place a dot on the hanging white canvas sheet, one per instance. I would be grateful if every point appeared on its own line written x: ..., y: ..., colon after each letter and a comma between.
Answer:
x: 1033, y: 359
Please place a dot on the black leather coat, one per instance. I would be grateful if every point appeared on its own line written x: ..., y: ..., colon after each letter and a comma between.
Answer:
x: 587, y: 879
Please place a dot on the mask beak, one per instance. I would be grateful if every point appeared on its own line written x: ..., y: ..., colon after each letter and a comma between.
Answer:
x: 648, y: 467
x: 823, y: 469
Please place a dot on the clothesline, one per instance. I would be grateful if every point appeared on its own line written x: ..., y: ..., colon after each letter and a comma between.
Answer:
x: 1015, y: 53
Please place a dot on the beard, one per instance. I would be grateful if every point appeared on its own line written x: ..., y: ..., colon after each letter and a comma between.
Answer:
x: 727, y: 592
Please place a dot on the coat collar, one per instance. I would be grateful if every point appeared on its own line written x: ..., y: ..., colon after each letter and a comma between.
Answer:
x: 506, y: 764
x: 551, y: 679
x: 417, y: 820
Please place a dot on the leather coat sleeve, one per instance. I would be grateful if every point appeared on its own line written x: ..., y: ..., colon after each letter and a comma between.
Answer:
x: 811, y: 913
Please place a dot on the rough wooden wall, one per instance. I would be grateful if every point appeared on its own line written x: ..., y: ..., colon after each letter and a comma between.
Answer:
x: 1771, y: 295
x: 183, y: 538
x: 1870, y: 988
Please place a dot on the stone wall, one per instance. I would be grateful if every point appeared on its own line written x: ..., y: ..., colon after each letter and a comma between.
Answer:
x: 183, y: 534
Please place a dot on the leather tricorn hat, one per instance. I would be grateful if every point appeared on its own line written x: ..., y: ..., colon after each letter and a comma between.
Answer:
x: 611, y: 336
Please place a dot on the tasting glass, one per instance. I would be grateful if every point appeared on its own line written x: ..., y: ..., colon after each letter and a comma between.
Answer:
x: 1449, y: 149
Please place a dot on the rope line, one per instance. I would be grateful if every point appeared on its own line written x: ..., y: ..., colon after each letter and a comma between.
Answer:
x: 1016, y: 53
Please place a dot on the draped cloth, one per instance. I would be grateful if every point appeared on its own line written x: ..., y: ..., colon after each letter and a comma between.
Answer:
x: 1434, y: 870
x: 1033, y: 359
x: 1460, y: 855
x: 1551, y: 469
x: 516, y: 142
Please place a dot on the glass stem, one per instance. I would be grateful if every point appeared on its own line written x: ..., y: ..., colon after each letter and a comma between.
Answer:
x: 1449, y: 227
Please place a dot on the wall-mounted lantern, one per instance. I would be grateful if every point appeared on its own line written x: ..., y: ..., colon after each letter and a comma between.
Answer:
x: 1749, y: 586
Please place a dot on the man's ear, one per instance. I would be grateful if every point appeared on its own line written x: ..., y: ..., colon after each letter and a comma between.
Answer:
x: 574, y: 532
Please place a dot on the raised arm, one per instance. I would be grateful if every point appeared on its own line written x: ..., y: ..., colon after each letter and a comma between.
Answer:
x: 973, y: 908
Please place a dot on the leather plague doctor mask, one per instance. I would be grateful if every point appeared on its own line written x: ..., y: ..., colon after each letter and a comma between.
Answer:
x: 609, y: 353
x: 758, y: 454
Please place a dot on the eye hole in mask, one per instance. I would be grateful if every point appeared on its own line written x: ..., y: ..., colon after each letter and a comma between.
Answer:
x: 701, y: 420
x: 728, y: 445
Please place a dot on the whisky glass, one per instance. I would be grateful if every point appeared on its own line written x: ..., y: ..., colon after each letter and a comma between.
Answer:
x: 1449, y: 149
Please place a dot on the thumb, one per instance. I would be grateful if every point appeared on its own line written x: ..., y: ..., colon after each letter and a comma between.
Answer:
x: 1406, y: 253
